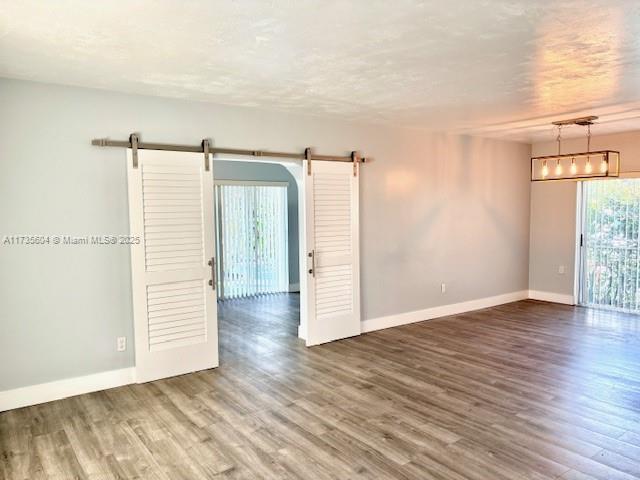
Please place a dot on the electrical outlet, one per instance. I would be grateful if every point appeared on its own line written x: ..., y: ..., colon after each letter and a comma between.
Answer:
x: 443, y: 287
x: 122, y: 344
x: 561, y: 269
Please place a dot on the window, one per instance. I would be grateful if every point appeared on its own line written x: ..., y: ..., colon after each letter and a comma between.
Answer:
x: 611, y: 244
x: 252, y: 238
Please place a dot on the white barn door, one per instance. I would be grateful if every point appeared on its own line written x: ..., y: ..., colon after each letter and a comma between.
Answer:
x: 332, y: 238
x: 174, y: 305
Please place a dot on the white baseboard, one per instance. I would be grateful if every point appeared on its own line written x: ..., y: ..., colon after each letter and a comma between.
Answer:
x: 294, y: 287
x: 441, y: 311
x: 69, y: 387
x: 552, y: 297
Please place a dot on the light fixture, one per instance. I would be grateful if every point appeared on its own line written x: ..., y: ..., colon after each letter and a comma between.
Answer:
x: 580, y: 164
x: 588, y: 168
x: 604, y: 166
x: 558, y: 170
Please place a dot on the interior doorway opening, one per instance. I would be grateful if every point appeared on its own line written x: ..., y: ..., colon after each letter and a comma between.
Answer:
x: 258, y: 257
x: 610, y: 253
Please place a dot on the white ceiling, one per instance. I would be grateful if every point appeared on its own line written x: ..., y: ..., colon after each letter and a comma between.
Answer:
x: 488, y: 67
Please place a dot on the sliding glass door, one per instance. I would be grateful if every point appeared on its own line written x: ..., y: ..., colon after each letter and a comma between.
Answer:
x: 611, y: 244
x: 251, y: 238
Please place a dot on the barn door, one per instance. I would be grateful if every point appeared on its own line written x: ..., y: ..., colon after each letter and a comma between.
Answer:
x: 174, y: 305
x: 333, y: 274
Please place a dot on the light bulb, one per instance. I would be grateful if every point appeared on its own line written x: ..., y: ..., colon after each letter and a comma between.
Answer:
x: 588, y: 168
x: 558, y: 171
x: 574, y: 169
x: 545, y: 169
x: 604, y: 166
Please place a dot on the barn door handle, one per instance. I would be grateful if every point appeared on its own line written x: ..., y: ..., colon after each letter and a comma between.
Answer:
x: 312, y: 270
x: 212, y: 264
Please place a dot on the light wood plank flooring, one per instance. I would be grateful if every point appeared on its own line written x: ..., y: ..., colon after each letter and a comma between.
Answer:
x: 527, y: 390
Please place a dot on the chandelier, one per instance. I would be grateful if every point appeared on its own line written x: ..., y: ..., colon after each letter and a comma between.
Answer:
x: 575, y: 166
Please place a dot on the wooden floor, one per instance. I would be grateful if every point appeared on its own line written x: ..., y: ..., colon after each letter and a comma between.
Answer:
x: 527, y: 390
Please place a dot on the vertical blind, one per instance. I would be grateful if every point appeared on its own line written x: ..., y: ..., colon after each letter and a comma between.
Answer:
x: 252, y: 239
x: 611, y: 235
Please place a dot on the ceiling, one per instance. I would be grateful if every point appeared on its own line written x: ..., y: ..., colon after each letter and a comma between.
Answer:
x: 487, y: 67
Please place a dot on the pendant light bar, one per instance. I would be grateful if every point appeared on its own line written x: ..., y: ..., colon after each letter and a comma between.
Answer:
x: 575, y: 166
x: 106, y: 142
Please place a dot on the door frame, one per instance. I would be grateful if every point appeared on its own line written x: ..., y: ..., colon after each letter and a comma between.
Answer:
x: 580, y: 250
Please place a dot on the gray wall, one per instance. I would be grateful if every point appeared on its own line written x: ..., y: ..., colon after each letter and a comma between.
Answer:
x: 434, y: 208
x: 554, y: 212
x: 270, y: 172
x: 553, y: 237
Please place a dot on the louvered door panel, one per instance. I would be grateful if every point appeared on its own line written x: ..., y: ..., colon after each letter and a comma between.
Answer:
x: 176, y: 314
x: 334, y: 292
x: 171, y: 208
x: 176, y: 227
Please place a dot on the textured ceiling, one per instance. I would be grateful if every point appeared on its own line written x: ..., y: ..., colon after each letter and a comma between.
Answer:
x: 487, y: 67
